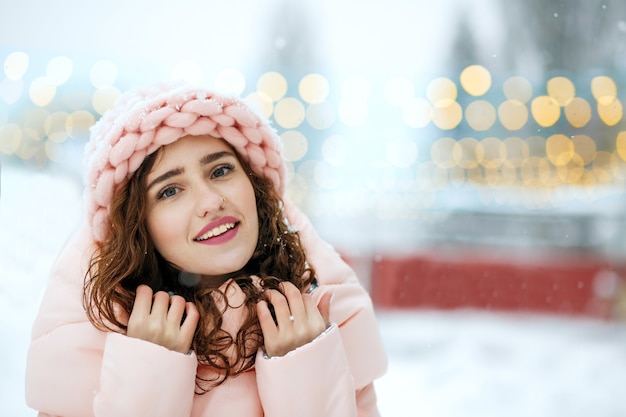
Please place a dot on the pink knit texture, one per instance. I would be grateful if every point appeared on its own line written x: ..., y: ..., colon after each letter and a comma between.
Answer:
x: 143, y: 120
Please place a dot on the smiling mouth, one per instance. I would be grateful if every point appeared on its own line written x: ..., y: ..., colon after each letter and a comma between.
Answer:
x: 216, y: 231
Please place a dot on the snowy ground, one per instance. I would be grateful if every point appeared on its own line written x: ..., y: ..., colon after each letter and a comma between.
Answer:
x: 442, y: 364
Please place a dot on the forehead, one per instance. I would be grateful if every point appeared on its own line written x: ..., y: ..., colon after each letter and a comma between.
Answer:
x: 194, y: 145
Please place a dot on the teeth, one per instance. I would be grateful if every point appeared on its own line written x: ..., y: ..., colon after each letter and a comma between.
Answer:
x: 216, y: 231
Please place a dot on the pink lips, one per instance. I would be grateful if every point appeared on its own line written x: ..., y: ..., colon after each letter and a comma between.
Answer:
x: 221, y: 238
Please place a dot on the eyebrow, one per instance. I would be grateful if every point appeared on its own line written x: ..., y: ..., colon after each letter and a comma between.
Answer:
x: 205, y: 160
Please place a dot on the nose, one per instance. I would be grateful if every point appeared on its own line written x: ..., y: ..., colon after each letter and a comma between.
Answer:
x: 208, y: 201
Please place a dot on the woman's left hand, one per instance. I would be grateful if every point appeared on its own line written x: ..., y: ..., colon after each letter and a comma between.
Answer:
x: 298, y: 319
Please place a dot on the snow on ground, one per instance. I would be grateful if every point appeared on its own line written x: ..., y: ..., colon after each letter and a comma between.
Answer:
x: 441, y: 364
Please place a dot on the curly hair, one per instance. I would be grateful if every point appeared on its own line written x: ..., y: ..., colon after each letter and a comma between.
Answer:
x: 128, y: 258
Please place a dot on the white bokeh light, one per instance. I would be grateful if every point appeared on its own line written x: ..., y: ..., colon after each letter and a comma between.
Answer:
x: 60, y: 69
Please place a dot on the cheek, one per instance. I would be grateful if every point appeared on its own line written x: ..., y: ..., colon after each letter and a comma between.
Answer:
x: 159, y: 234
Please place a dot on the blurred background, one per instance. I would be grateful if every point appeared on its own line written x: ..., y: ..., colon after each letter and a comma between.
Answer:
x: 467, y: 158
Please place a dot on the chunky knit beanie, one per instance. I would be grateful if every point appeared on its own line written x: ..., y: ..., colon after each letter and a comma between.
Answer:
x: 143, y: 120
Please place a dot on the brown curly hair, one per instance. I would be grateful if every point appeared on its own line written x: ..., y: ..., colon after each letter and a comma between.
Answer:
x: 128, y: 258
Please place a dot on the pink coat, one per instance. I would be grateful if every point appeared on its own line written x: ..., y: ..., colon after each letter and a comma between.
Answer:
x: 74, y: 370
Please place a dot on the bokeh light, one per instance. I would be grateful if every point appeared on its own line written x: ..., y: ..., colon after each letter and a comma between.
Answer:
x: 42, y: 91
x: 545, y: 110
x: 103, y: 74
x: 295, y: 145
x: 476, y: 80
x: 480, y: 115
x: 578, y: 112
x: 561, y: 89
x: 289, y: 113
x: 518, y: 88
x: 273, y: 84
x: 513, y: 114
x: 16, y: 65
x: 60, y: 69
x: 314, y: 88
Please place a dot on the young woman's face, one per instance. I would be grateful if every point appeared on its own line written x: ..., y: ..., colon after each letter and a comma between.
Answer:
x: 201, y: 208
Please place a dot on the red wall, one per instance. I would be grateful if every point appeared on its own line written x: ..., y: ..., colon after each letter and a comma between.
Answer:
x: 559, y: 284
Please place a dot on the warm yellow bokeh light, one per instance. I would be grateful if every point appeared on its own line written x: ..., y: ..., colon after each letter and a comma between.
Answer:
x: 55, y: 126
x: 34, y: 123
x: 561, y: 89
x: 585, y: 147
x: 517, y: 150
x: 297, y: 188
x: 578, y: 112
x: 536, y: 172
x: 273, y: 84
x: 10, y: 138
x: 42, y: 91
x: 442, y: 152
x: 604, y: 89
x: 620, y: 145
x: 103, y: 99
x: 295, y: 145
x: 513, y: 114
x: 572, y: 171
x: 468, y: 153
x: 536, y: 146
x: 518, y: 88
x: 491, y: 152
x: 447, y: 114
x: 441, y: 90
x: 610, y: 112
x: 314, y: 88
x: 78, y: 124
x: 503, y: 176
x: 263, y: 103
x: 480, y: 115
x: 476, y: 80
x: 559, y: 149
x: 545, y: 110
x: 289, y: 113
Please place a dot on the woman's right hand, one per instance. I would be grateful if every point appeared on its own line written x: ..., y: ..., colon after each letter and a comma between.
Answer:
x: 159, y: 319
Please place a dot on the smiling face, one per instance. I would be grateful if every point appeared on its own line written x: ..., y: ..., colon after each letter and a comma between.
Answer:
x: 201, y: 208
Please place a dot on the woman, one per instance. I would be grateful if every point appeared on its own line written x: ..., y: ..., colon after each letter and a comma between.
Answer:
x: 193, y: 288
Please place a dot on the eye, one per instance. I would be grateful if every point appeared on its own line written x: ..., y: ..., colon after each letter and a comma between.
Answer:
x: 168, y: 192
x: 222, y: 170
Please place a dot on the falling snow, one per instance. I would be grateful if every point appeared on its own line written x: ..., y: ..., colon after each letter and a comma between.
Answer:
x: 442, y: 364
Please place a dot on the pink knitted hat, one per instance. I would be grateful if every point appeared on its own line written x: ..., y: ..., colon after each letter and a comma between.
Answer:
x: 143, y: 120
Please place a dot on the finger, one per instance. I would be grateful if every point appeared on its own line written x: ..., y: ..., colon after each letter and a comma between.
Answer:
x: 160, y: 304
x: 268, y: 327
x: 294, y: 299
x: 143, y: 300
x: 176, y: 310
x: 281, y: 307
x: 192, y: 317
